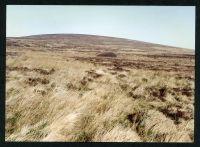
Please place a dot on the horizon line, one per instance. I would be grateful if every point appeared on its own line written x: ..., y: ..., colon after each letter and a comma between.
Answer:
x: 130, y: 39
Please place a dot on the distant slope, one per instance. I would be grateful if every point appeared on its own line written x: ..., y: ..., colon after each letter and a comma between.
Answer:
x: 90, y: 42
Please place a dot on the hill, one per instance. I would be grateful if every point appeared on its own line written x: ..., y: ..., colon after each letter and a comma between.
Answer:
x: 91, y: 41
x: 86, y: 88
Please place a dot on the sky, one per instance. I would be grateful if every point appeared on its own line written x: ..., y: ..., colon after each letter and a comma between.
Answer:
x: 167, y: 25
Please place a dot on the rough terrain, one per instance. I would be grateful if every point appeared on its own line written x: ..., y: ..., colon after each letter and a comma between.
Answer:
x: 72, y: 87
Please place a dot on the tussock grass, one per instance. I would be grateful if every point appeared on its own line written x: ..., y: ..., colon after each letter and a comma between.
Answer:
x: 84, y: 102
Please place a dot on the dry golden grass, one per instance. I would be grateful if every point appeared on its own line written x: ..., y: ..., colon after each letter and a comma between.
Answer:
x: 53, y: 97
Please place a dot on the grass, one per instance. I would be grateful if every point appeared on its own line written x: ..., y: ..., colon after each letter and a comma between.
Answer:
x: 72, y: 104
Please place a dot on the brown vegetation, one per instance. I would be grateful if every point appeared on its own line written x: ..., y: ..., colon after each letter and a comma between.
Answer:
x: 107, y: 54
x: 64, y: 92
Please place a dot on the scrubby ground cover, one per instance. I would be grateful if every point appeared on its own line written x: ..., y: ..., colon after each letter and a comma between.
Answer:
x: 58, y: 96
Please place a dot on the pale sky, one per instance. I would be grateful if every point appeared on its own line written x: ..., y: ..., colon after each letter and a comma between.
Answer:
x: 167, y: 25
